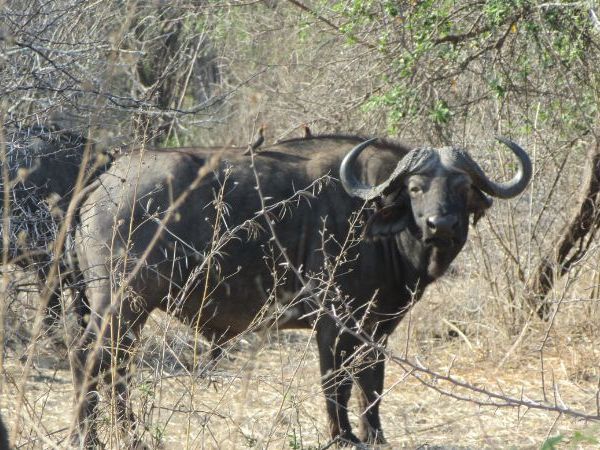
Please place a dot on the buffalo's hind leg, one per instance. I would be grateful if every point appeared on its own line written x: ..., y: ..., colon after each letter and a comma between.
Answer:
x: 103, y: 349
x: 86, y: 362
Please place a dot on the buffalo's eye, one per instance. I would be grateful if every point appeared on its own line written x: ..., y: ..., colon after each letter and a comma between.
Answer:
x: 415, y: 190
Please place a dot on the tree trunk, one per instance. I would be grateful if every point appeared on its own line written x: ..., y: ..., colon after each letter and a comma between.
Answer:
x: 574, y: 241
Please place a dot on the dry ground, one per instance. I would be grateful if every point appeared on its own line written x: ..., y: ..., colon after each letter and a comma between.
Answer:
x: 266, y: 393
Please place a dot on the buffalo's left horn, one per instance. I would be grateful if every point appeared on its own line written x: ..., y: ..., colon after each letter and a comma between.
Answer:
x: 353, y: 185
x: 509, y: 189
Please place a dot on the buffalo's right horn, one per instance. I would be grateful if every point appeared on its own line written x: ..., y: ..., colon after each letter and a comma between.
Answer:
x: 350, y: 182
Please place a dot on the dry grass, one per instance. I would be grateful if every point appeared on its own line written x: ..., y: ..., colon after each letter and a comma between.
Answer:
x: 266, y: 392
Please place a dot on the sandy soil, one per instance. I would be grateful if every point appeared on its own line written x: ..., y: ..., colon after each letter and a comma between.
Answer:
x: 267, y: 395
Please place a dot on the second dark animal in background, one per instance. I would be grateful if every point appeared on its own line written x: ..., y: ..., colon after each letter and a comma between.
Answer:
x: 43, y: 165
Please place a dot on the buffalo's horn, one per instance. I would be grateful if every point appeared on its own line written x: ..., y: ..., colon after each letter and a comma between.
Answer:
x: 350, y: 182
x: 509, y: 189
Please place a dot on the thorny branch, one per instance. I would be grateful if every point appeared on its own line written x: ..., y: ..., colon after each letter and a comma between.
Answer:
x: 486, y: 397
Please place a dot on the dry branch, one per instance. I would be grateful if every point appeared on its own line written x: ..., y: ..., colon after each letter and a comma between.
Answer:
x: 463, y: 390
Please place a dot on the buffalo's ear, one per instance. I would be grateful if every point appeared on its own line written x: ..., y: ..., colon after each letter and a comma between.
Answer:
x: 387, y: 221
x: 477, y: 203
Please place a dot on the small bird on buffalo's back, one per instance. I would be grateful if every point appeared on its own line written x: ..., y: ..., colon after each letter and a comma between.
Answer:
x: 258, y: 141
x: 307, y: 132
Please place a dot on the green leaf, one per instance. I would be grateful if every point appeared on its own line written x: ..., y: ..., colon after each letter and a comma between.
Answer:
x: 552, y: 442
x: 579, y: 437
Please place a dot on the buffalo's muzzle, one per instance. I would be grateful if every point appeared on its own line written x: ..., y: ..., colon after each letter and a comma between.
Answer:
x: 442, y: 226
x: 441, y: 230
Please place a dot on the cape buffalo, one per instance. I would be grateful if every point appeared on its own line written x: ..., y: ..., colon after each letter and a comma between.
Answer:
x: 209, y: 237
x: 43, y: 166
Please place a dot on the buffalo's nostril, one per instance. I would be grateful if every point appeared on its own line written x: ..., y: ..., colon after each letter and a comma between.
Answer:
x: 442, y: 224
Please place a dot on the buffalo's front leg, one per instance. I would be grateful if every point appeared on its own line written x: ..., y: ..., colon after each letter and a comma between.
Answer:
x: 370, y: 383
x: 336, y: 379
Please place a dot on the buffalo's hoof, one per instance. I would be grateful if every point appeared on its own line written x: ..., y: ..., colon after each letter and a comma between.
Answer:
x: 87, y: 441
x: 373, y: 437
x: 137, y: 444
x: 544, y: 311
x: 348, y: 440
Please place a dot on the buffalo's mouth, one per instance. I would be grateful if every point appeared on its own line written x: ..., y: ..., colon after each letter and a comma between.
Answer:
x: 440, y: 242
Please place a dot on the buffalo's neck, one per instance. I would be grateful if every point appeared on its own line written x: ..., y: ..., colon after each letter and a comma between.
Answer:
x: 394, y: 278
x: 403, y: 268
x: 397, y: 268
